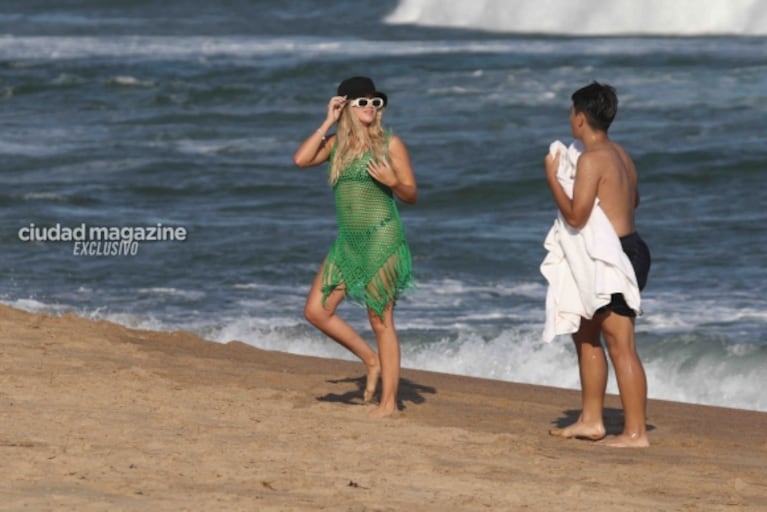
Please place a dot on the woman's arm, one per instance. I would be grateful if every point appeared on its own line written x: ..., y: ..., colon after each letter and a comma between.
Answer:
x: 316, y: 148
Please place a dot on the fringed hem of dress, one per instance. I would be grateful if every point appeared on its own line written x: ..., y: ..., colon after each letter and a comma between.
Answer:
x: 393, y: 277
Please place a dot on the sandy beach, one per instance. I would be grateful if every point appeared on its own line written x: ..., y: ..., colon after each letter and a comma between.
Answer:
x: 96, y: 416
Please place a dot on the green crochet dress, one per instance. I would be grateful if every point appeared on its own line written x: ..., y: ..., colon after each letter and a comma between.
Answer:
x: 370, y: 257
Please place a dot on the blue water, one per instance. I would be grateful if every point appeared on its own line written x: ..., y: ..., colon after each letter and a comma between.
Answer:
x: 125, y: 114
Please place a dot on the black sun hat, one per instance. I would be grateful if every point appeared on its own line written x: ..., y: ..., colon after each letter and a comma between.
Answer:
x: 360, y: 87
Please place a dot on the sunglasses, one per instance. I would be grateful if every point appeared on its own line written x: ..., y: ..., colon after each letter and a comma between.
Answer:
x: 378, y: 103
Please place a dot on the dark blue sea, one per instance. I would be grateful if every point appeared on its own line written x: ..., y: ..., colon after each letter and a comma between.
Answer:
x: 185, y: 114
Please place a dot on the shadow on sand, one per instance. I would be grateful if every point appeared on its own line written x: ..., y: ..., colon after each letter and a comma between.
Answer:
x: 409, y: 391
x: 613, y: 419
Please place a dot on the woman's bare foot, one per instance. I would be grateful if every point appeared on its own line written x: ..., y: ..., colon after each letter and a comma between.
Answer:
x: 382, y: 411
x: 626, y: 441
x: 580, y: 430
x: 374, y: 373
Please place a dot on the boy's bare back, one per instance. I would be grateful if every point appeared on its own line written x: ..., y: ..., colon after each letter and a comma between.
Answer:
x: 617, y: 185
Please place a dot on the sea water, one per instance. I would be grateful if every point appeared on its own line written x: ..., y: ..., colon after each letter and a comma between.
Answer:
x: 123, y: 114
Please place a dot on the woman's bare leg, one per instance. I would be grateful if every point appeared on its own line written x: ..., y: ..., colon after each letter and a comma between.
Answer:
x: 389, y: 351
x: 326, y: 320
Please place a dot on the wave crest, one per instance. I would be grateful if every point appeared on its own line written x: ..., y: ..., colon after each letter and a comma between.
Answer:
x: 593, y: 17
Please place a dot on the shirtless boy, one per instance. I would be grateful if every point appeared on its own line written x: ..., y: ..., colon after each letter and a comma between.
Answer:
x: 605, y: 172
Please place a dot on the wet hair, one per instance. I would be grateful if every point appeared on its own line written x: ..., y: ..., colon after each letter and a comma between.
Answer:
x: 598, y: 102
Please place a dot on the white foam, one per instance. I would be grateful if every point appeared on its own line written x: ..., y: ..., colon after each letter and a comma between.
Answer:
x: 173, y: 292
x: 281, y: 334
x: 214, y: 147
x: 252, y: 49
x: 516, y: 355
x: 26, y: 149
x: 591, y: 17
x: 680, y: 363
x: 665, y: 312
x: 51, y: 196
x: 688, y: 372
x: 36, y: 306
x: 130, y: 81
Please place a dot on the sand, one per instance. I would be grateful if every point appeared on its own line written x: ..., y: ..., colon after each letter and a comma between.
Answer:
x: 96, y: 416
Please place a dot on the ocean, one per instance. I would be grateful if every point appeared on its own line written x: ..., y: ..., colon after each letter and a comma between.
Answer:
x: 134, y: 116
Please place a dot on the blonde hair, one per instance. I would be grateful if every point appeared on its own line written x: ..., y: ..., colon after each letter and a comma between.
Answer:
x: 354, y: 139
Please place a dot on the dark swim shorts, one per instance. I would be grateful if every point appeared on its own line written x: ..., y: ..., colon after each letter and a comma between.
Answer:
x: 639, y: 255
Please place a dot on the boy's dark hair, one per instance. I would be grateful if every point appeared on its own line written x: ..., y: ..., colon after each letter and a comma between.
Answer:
x: 598, y: 102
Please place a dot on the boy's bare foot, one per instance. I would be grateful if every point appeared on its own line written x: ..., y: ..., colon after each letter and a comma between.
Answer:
x: 626, y: 441
x: 374, y: 373
x: 580, y: 430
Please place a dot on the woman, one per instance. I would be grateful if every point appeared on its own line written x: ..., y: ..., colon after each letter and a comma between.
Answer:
x: 369, y: 262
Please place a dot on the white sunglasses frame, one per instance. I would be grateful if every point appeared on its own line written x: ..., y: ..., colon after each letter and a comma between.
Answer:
x: 356, y: 102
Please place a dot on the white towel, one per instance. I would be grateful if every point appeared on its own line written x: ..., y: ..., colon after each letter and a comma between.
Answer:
x: 583, y: 266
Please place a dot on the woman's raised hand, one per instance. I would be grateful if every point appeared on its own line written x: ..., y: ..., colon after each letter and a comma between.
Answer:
x: 335, y: 107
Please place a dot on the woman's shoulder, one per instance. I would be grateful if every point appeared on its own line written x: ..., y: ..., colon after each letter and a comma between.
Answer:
x: 394, y: 142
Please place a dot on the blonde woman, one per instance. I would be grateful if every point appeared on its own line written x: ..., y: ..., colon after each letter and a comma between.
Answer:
x: 369, y: 262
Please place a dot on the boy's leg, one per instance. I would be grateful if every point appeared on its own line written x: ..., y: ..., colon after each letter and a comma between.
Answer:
x: 593, y: 372
x: 618, y: 331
